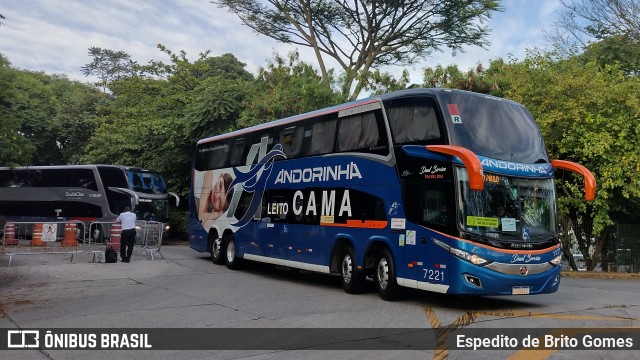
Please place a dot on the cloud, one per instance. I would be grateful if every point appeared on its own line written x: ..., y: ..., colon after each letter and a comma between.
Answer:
x: 54, y: 36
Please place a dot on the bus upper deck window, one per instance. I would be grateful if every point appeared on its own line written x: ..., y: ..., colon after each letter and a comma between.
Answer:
x: 237, y: 152
x: 291, y: 140
x: 322, y: 137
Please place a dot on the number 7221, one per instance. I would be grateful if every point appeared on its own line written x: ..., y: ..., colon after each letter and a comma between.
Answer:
x: 434, y: 275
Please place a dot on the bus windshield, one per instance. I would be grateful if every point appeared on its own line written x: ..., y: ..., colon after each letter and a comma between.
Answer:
x: 146, y: 182
x: 485, y: 117
x: 509, y: 208
x: 153, y: 210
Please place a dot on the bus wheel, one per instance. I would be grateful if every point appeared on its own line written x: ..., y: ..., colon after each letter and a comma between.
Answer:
x: 233, y: 262
x: 352, y: 280
x: 385, y: 276
x: 217, y: 251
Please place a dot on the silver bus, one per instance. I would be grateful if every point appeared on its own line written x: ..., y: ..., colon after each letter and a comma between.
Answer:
x: 82, y: 192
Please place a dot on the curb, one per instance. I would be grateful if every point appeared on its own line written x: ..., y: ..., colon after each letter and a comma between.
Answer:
x: 600, y: 275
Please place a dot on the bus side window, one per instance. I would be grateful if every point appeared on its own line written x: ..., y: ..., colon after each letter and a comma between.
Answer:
x: 237, y: 152
x: 360, y: 132
x: 213, y: 155
x: 412, y: 121
x: 85, y: 178
x: 218, y: 158
x: 291, y: 140
x: 436, y: 207
x: 322, y: 137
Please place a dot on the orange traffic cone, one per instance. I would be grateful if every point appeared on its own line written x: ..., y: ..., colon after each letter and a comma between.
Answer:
x: 70, y: 235
x: 114, y: 236
x: 36, y: 238
x: 10, y: 234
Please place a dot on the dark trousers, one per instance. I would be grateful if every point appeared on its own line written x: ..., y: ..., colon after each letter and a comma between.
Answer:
x: 127, y: 240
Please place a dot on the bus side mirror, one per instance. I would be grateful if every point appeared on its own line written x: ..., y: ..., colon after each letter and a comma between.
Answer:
x: 589, y: 179
x: 469, y: 159
x: 176, y: 197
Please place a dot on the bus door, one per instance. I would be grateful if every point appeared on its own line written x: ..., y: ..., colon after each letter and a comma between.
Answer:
x: 431, y: 206
x: 271, y: 224
x: 304, y: 232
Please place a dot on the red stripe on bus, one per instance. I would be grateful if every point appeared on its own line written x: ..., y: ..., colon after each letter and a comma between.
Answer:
x: 368, y: 224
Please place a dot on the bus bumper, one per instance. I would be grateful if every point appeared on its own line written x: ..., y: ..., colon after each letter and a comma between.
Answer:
x: 469, y: 279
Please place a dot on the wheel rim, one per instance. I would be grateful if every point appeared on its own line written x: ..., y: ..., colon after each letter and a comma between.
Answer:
x: 216, y: 248
x: 347, y: 268
x: 382, y: 273
x: 231, y: 251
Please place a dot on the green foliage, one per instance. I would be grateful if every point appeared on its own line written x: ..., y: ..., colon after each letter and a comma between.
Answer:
x: 620, y: 50
x: 108, y: 65
x: 15, y: 148
x: 226, y: 65
x: 78, y: 107
x: 378, y: 82
x: 159, y: 110
x: 285, y: 88
x: 46, y: 119
x: 216, y: 106
x: 451, y: 77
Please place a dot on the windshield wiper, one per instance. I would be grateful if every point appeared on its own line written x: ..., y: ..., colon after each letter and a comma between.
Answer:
x: 551, y: 235
x: 500, y: 232
x: 483, y: 237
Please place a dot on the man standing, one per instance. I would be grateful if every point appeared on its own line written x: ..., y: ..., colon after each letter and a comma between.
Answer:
x: 128, y: 237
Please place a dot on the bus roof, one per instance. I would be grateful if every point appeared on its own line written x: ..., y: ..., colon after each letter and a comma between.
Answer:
x: 82, y: 166
x: 348, y: 105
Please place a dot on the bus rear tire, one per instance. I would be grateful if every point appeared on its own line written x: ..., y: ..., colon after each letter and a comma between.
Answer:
x: 385, y: 277
x: 233, y: 261
x: 353, y: 281
x: 217, y: 251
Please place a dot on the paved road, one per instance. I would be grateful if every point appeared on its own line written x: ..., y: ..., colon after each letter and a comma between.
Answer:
x: 187, y: 291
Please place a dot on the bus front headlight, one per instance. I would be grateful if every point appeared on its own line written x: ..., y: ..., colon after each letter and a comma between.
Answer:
x: 472, y: 258
x: 556, y: 260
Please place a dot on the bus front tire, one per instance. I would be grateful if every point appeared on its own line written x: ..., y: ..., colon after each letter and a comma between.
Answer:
x: 385, y: 277
x: 217, y: 251
x: 233, y: 261
x: 353, y: 281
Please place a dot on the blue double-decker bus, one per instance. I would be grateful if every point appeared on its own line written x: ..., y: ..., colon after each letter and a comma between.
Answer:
x: 435, y: 189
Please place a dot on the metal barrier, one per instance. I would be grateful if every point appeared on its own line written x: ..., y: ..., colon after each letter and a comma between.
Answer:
x: 101, y: 236
x: 35, y: 238
x: 107, y: 234
x: 149, y: 237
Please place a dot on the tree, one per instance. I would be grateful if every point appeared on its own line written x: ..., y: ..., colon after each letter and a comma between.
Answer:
x: 451, y: 77
x: 158, y: 110
x: 216, y: 106
x: 362, y: 35
x: 286, y: 87
x: 583, y: 21
x: 15, y: 148
x: 108, y: 65
x: 615, y: 49
x: 78, y: 110
x: 226, y: 65
x: 379, y: 82
x: 34, y: 106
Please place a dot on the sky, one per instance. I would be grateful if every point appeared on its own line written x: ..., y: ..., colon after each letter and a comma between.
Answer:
x: 54, y: 35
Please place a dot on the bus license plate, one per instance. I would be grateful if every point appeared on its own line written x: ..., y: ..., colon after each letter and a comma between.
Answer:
x: 520, y: 290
